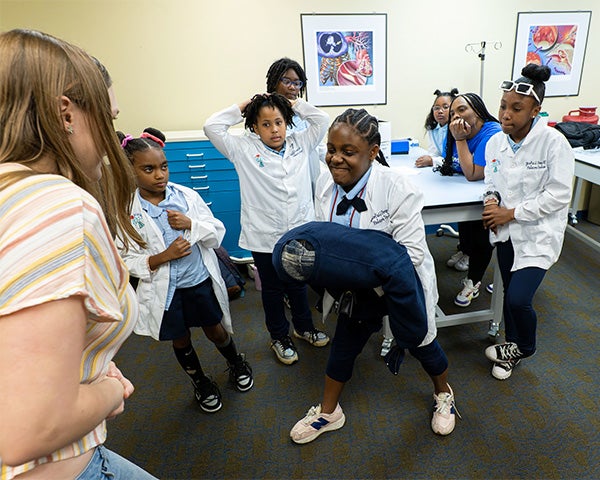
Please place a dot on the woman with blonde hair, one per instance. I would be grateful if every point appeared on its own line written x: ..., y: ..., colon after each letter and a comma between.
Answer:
x: 66, y: 306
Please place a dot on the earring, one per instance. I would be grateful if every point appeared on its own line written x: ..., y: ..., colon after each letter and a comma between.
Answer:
x: 70, y: 129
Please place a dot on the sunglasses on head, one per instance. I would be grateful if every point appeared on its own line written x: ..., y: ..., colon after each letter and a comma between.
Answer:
x: 520, y: 87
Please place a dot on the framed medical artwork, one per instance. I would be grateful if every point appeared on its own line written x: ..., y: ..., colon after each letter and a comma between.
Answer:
x: 555, y: 39
x: 345, y: 58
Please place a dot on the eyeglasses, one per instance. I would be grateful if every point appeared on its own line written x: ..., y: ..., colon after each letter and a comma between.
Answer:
x: 520, y: 87
x: 287, y: 82
x: 439, y: 108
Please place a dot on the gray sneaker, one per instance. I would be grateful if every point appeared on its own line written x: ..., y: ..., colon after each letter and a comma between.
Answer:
x: 285, y: 350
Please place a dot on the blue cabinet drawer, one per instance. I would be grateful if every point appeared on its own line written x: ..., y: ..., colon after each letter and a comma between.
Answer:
x: 228, y: 201
x: 185, y: 174
x: 199, y: 163
x: 231, y: 220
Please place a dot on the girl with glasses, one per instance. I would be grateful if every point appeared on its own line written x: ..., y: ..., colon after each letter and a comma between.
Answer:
x: 286, y: 77
x: 436, y: 126
x: 528, y: 182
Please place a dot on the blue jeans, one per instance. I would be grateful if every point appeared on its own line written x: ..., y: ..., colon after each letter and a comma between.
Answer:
x: 107, y: 465
x: 520, y: 319
x: 273, y: 290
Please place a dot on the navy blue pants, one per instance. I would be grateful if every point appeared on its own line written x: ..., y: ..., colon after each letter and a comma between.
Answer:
x: 348, y: 259
x: 520, y: 319
x: 474, y: 241
x: 352, y: 334
x: 273, y: 290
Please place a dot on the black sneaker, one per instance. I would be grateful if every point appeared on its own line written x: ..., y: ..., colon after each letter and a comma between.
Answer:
x: 240, y: 373
x: 504, y: 352
x: 208, y: 395
x: 504, y: 370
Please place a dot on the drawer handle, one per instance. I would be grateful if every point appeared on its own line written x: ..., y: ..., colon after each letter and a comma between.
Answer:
x: 201, y: 188
x: 197, y: 166
x: 199, y: 177
x: 194, y: 155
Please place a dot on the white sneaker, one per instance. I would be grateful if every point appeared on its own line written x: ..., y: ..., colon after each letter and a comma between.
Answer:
x: 468, y: 293
x: 454, y: 258
x: 444, y: 413
x: 502, y: 371
x: 315, y: 423
x: 315, y: 337
x: 463, y: 264
x: 285, y: 350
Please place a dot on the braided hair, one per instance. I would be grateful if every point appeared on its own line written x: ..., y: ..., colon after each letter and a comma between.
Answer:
x: 150, y: 138
x: 476, y: 103
x: 430, y: 121
x: 278, y: 68
x: 273, y: 100
x: 366, y: 125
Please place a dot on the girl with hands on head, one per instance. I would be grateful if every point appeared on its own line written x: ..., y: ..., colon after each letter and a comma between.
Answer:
x: 273, y: 167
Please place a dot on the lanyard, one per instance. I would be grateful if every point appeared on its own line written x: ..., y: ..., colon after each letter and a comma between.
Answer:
x: 334, y: 204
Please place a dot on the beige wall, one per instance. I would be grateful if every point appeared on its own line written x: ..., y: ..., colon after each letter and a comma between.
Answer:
x: 174, y: 62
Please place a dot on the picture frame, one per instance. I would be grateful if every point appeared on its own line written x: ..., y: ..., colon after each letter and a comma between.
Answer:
x: 345, y: 58
x: 555, y: 39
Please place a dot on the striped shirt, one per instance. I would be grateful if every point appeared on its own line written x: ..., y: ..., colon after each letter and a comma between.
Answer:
x: 55, y: 243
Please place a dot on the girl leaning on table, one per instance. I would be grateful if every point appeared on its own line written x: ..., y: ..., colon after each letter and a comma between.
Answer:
x: 528, y: 179
x: 436, y: 125
x: 471, y: 126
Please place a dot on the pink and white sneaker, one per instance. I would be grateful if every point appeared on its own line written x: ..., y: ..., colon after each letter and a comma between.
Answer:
x: 315, y: 423
x: 444, y: 413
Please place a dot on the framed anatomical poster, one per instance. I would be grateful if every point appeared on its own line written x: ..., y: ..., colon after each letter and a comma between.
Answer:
x: 555, y: 39
x: 345, y: 58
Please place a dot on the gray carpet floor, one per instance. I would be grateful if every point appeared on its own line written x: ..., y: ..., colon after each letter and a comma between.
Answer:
x: 542, y: 423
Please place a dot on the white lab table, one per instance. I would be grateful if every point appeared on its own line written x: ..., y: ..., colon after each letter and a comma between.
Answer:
x: 587, y: 167
x: 451, y: 199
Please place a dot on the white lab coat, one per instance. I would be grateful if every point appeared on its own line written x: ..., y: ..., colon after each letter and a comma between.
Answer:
x: 394, y: 206
x: 207, y: 231
x: 537, y: 182
x: 276, y: 192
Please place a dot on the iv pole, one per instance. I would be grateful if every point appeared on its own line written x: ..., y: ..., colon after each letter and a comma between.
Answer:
x: 470, y: 47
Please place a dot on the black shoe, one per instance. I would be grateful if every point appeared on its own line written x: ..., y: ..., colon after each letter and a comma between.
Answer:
x: 240, y: 373
x: 208, y: 395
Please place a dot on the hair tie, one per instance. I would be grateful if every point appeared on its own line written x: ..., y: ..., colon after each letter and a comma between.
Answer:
x: 126, y: 140
x: 153, y: 138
